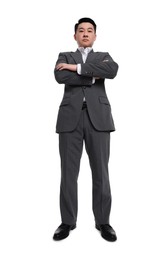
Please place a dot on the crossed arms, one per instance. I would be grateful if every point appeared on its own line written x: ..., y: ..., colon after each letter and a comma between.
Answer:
x: 67, y: 73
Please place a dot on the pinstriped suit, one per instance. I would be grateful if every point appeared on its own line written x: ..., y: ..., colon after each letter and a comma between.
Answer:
x: 91, y: 125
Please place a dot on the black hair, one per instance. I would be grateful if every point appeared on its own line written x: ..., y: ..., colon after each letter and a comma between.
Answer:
x: 85, y: 20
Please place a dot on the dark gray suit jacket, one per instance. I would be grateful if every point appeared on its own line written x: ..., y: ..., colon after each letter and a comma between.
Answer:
x: 98, y: 64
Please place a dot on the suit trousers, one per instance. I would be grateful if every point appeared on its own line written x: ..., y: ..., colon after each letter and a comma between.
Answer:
x: 97, y: 145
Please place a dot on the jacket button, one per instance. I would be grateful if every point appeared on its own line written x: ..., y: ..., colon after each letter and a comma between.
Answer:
x: 84, y: 87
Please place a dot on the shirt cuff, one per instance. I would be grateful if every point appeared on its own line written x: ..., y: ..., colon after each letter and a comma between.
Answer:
x: 79, y: 69
x: 93, y: 80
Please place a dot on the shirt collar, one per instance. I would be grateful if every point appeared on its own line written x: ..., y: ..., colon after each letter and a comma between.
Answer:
x: 85, y: 50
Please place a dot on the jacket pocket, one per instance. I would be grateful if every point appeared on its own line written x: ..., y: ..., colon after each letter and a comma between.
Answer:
x: 104, y: 100
x: 65, y: 101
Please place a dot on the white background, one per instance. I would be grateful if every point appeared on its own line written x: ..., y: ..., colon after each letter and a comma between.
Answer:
x: 32, y: 35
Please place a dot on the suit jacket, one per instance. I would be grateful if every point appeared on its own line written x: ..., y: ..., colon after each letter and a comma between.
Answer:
x: 98, y: 64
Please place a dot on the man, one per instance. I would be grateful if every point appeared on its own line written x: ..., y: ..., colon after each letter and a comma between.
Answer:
x: 85, y: 116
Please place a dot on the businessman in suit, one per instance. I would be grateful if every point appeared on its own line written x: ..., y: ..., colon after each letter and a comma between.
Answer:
x: 85, y: 117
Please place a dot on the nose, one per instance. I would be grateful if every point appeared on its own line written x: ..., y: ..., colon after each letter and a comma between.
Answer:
x: 85, y: 34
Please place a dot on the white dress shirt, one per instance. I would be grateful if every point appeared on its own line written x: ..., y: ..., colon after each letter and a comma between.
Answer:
x: 84, y: 52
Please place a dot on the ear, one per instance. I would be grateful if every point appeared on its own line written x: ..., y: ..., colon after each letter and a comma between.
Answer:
x: 74, y: 37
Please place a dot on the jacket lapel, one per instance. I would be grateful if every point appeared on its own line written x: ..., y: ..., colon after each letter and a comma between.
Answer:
x: 77, y: 57
x: 91, y: 56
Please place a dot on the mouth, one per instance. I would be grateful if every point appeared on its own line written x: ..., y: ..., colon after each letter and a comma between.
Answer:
x: 85, y: 40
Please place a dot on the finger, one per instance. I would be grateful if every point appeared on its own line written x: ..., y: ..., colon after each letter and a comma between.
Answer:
x: 58, y: 67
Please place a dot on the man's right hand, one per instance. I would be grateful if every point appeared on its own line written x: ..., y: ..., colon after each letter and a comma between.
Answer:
x: 65, y: 66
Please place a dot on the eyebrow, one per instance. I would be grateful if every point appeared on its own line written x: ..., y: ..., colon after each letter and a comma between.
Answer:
x: 91, y: 28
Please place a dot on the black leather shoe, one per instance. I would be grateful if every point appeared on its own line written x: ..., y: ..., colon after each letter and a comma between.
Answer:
x: 63, y: 231
x: 107, y: 232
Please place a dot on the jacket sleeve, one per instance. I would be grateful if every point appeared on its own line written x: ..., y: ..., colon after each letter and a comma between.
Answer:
x: 102, y: 68
x: 70, y: 77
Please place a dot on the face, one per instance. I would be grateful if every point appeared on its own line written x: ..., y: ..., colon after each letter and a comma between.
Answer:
x: 85, y: 35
